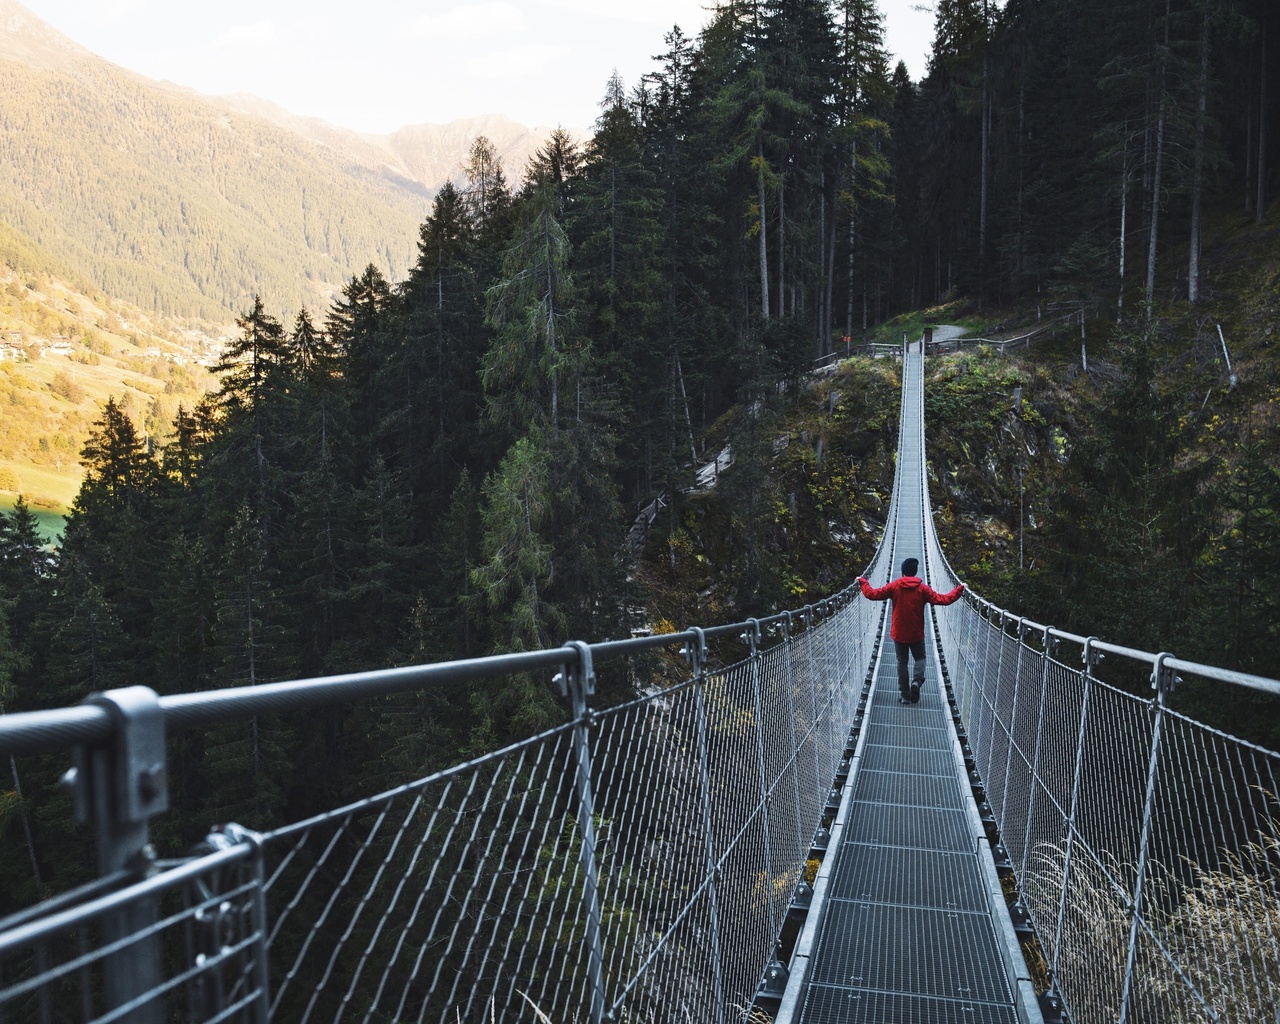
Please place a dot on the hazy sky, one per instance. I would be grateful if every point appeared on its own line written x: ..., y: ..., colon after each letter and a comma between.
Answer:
x: 375, y: 65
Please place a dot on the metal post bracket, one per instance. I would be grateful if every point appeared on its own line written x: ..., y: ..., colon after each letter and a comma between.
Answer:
x: 578, y: 676
x: 140, y: 786
x: 695, y: 650
x: 1050, y: 642
x: 1163, y: 679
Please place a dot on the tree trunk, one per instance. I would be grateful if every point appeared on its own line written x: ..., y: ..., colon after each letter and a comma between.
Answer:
x: 848, y: 311
x: 782, y: 245
x: 823, y: 334
x: 1155, y: 212
x: 853, y: 214
x: 1022, y: 169
x: 1155, y: 179
x: 764, y: 239
x: 1124, y: 213
x: 830, y: 242
x: 684, y: 398
x: 1260, y: 206
x: 26, y: 824
x: 986, y: 131
x: 1248, y: 159
x: 1197, y: 179
x: 551, y: 326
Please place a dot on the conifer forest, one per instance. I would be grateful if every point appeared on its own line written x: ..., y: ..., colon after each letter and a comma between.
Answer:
x: 449, y: 465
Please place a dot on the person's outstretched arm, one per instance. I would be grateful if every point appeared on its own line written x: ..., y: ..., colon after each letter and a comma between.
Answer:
x: 874, y: 593
x: 933, y: 597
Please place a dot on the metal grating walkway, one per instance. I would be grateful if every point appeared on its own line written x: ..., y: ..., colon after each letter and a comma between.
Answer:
x: 906, y: 922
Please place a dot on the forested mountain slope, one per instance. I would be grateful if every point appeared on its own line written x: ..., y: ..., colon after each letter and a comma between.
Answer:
x: 189, y: 206
x: 448, y: 464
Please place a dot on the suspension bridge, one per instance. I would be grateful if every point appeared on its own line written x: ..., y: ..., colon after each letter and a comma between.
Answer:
x: 775, y: 837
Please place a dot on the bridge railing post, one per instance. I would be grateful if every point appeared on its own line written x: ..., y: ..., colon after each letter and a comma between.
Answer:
x: 1046, y: 657
x: 1163, y: 680
x: 994, y: 725
x: 967, y: 654
x: 984, y: 706
x: 578, y: 679
x: 819, y: 790
x: 752, y: 639
x: 1013, y: 721
x: 696, y: 651
x: 792, y: 713
x: 1091, y: 658
x: 829, y: 693
x: 118, y: 788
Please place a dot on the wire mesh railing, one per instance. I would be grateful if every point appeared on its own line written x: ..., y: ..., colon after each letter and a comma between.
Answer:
x: 637, y: 861
x: 634, y: 863
x: 1146, y: 844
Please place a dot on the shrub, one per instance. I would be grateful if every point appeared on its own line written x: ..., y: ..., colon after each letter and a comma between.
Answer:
x: 64, y: 387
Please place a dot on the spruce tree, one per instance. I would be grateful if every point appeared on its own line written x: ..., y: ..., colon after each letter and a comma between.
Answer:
x: 533, y: 355
x: 615, y: 224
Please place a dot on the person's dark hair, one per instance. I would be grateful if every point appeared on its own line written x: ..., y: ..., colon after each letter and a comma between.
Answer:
x: 909, y: 567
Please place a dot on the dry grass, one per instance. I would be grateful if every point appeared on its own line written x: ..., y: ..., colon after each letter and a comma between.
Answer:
x: 1221, y: 928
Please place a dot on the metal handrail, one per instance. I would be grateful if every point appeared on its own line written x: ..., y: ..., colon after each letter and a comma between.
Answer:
x: 1222, y: 675
x: 33, y: 732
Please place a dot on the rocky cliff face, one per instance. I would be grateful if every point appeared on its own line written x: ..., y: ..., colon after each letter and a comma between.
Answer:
x: 795, y: 517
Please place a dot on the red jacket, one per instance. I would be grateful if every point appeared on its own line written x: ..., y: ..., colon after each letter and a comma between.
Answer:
x: 909, y: 595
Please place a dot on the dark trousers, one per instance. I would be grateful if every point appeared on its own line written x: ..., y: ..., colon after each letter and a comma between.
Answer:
x: 916, y: 650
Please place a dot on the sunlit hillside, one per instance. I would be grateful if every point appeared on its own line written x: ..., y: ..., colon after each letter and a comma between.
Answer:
x: 192, y: 205
x: 63, y: 353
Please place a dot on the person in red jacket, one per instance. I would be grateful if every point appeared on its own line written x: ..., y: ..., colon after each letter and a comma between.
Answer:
x: 909, y: 594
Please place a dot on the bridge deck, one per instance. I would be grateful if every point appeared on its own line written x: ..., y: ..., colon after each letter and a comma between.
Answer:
x: 908, y: 920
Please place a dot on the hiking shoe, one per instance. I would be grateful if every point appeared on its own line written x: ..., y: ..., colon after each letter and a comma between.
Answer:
x: 915, y: 693
x: 904, y: 700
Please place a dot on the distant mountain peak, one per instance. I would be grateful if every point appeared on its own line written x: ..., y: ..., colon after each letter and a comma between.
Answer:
x: 28, y: 40
x: 200, y: 202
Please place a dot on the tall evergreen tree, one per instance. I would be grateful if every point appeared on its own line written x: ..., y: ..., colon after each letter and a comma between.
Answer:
x: 534, y: 351
x: 617, y: 238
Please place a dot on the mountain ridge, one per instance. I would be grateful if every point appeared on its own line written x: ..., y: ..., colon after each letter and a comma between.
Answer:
x: 25, y: 37
x: 190, y: 205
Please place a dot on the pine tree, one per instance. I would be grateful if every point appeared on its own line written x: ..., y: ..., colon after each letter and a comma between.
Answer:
x: 250, y: 364
x: 432, y: 382
x: 309, y: 350
x: 445, y: 625
x: 557, y: 163
x: 116, y: 533
x: 20, y: 883
x: 516, y: 566
x: 862, y: 103
x: 378, y: 579
x: 533, y: 352
x: 245, y: 763
x: 487, y: 196
x: 119, y: 471
x: 617, y: 238
x: 25, y: 569
x: 317, y: 481
x: 87, y: 652
x: 357, y: 326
